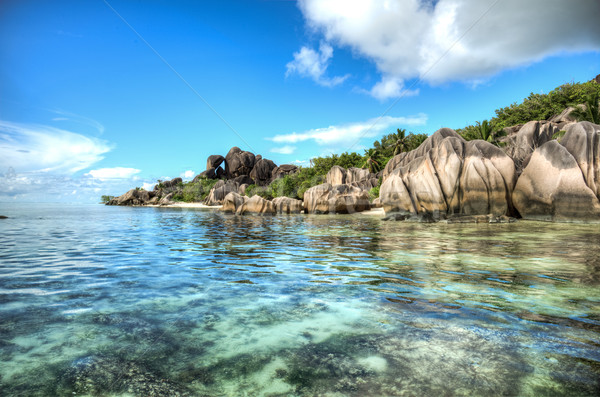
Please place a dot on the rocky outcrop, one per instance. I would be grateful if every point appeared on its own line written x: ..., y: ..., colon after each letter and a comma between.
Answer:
x: 338, y: 199
x: 256, y: 205
x: 287, y: 205
x: 220, y: 190
x: 133, y: 197
x: 358, y: 177
x: 450, y: 176
x: 532, y: 135
x: 404, y: 158
x: 560, y: 182
x: 214, y: 161
x: 261, y: 173
x: 238, y: 162
x: 232, y: 202
x: 283, y: 170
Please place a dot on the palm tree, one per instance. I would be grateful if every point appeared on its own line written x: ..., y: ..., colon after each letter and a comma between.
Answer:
x: 590, y: 111
x: 371, y: 161
x: 489, y: 133
x: 399, y: 141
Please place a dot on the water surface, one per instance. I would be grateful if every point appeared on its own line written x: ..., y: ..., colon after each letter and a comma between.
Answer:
x: 120, y: 301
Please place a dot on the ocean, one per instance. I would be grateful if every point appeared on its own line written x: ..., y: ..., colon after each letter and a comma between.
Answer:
x: 122, y: 301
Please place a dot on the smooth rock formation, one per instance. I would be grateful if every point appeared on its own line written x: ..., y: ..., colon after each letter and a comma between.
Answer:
x: 358, y: 177
x: 208, y: 174
x: 220, y: 190
x: 447, y: 176
x: 238, y: 162
x: 287, y: 205
x: 232, y: 202
x: 214, y: 161
x: 404, y: 158
x: 582, y: 141
x: 166, y: 200
x: 532, y: 135
x: 257, y: 205
x: 552, y: 187
x: 261, y: 173
x: 133, y: 197
x: 283, y: 170
x: 338, y: 199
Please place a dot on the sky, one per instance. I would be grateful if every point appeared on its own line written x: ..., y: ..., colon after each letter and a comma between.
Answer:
x: 97, y: 97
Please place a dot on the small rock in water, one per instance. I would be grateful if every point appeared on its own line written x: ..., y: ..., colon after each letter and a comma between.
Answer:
x: 3, y: 217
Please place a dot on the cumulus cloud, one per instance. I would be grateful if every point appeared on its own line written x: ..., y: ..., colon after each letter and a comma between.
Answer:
x: 349, y: 133
x: 287, y: 149
x: 113, y: 173
x: 188, y: 175
x: 450, y: 40
x: 310, y: 63
x: 39, y: 148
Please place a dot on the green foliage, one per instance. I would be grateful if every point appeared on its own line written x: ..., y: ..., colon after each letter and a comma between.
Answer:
x: 284, y: 187
x: 194, y: 191
x: 105, y: 199
x: 395, y: 143
x: 591, y: 109
x: 322, y: 165
x: 372, y: 160
x: 262, y: 191
x: 485, y: 130
x: 544, y: 106
x: 374, y: 193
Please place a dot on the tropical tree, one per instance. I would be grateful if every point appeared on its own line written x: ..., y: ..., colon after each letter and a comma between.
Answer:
x: 488, y: 132
x: 399, y: 141
x: 372, y: 160
x: 590, y: 111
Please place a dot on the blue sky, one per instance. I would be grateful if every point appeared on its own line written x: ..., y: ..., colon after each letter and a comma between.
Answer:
x: 88, y: 108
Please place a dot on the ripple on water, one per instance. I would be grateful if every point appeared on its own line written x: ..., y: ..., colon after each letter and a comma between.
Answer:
x: 150, y: 301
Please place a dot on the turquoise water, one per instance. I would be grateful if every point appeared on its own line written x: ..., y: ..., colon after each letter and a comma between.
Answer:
x: 112, y: 301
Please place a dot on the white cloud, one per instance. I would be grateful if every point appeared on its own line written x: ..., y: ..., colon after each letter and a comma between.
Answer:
x: 39, y: 148
x: 148, y: 186
x: 113, y: 173
x: 349, y: 133
x: 310, y: 63
x: 409, y: 39
x: 188, y: 175
x: 287, y: 149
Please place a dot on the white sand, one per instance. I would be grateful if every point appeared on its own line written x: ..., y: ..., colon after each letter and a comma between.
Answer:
x: 187, y: 205
x: 373, y: 211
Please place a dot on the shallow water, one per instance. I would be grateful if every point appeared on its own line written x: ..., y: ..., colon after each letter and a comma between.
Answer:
x: 118, y: 301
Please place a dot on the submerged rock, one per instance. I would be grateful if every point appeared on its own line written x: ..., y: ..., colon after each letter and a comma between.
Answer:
x: 3, y: 217
x: 100, y: 375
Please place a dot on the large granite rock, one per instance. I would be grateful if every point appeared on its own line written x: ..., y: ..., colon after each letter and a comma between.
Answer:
x: 582, y: 141
x: 262, y: 172
x: 214, y: 161
x: 257, y: 205
x: 552, y: 187
x: 232, y: 202
x: 404, y: 158
x: 449, y: 177
x: 532, y: 135
x: 220, y: 190
x: 358, y: 177
x: 238, y: 162
x: 133, y: 197
x: 287, y: 205
x: 338, y: 199
x: 283, y: 170
x: 210, y: 173
x: 561, y: 180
